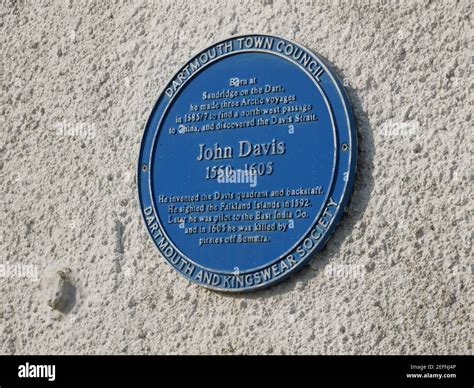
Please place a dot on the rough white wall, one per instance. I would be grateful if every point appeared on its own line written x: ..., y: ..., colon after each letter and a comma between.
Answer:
x: 78, y: 82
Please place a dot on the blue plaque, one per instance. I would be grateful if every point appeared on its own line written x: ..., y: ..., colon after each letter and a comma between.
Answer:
x: 247, y: 162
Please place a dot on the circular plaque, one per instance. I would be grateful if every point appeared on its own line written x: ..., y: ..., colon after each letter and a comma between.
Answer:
x: 247, y: 162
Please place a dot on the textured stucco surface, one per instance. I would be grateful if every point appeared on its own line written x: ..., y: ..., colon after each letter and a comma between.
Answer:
x: 395, y: 277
